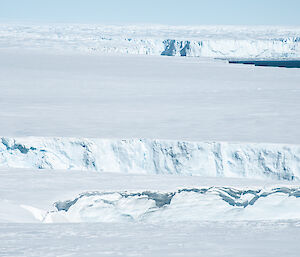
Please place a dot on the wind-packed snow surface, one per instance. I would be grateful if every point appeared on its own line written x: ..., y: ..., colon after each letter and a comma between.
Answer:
x: 190, y: 239
x: 203, y: 41
x: 158, y: 97
x: 216, y: 159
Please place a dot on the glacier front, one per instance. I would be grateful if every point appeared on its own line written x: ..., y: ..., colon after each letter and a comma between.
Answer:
x: 199, y: 41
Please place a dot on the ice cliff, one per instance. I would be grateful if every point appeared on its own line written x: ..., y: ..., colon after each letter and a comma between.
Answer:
x: 215, y: 159
x: 199, y: 41
x: 230, y: 48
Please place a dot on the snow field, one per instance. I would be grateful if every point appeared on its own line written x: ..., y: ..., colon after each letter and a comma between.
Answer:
x: 183, y: 99
x: 191, y: 239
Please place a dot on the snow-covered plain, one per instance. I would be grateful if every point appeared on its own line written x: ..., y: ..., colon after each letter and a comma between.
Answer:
x: 165, y: 156
x: 109, y: 96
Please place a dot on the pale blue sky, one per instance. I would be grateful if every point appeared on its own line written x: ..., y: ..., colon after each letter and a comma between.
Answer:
x: 232, y: 12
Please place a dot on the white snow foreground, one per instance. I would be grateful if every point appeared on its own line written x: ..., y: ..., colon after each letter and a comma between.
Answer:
x: 204, y: 41
x: 146, y: 156
x: 243, y: 239
x: 196, y: 204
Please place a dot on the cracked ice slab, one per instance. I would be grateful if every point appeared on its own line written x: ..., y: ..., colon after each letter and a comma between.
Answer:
x: 193, y: 204
x: 135, y: 194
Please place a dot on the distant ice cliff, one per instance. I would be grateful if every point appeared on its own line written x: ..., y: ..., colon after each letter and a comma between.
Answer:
x: 229, y: 48
x: 201, y: 41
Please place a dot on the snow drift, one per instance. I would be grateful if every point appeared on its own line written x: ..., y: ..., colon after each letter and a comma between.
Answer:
x: 215, y: 159
x: 213, y: 203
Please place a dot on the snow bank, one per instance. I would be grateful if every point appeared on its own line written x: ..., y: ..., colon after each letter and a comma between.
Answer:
x: 215, y: 159
x: 204, y: 41
x: 214, y: 203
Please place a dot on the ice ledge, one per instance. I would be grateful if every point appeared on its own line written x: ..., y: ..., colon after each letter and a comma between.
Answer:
x: 146, y: 156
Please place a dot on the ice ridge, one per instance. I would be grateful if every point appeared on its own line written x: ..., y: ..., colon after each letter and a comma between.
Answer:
x: 212, y: 203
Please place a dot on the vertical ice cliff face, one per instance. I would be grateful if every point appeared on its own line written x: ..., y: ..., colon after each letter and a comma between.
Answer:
x: 229, y: 48
x: 216, y: 159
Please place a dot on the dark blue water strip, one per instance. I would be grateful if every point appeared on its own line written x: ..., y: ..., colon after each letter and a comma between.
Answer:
x: 268, y: 63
